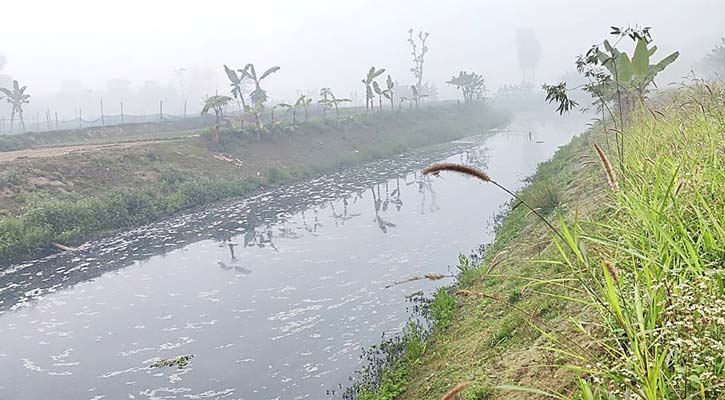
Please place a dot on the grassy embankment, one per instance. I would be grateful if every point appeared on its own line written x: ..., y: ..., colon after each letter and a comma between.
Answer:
x: 625, y: 300
x: 74, y: 196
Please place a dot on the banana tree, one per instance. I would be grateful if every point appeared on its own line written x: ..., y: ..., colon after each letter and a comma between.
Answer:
x: 329, y: 100
x: 378, y: 92
x: 368, y: 82
x: 417, y: 95
x: 325, y: 101
x: 237, y: 84
x: 303, y: 102
x: 258, y: 96
x: 471, y: 85
x: 388, y: 92
x: 402, y: 99
x: 633, y: 75
x: 215, y: 103
x: 16, y: 97
x: 290, y: 107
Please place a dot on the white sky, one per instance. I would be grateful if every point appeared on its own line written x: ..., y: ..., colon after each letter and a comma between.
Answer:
x: 325, y: 42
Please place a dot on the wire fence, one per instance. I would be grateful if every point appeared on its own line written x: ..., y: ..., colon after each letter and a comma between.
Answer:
x: 50, y: 120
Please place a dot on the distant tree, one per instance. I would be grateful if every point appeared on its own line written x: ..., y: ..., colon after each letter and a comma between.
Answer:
x: 258, y: 96
x: 714, y: 61
x: 379, y: 92
x: 471, y: 85
x: 402, y: 99
x: 418, y: 58
x: 290, y: 107
x: 237, y: 84
x: 325, y: 101
x: 529, y: 52
x: 328, y: 100
x: 368, y: 82
x: 217, y: 104
x: 388, y: 92
x: 303, y: 102
x: 17, y: 97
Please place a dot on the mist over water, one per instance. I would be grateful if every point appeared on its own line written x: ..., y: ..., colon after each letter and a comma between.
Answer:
x: 142, y: 53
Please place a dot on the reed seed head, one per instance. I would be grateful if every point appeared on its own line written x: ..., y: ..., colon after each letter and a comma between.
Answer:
x: 456, y: 389
x: 612, y: 271
x: 461, y: 169
x: 611, y: 175
x: 466, y: 292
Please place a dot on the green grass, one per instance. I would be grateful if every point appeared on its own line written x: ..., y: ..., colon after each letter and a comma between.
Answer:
x: 654, y: 266
x: 92, y: 194
x: 631, y: 303
x: 67, y: 221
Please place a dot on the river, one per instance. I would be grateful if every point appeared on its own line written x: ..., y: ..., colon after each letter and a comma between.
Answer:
x: 274, y: 295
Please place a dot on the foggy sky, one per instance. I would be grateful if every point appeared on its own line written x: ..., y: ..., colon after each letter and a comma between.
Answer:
x: 51, y: 44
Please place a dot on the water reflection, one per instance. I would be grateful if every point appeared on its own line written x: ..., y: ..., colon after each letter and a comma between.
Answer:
x: 275, y: 294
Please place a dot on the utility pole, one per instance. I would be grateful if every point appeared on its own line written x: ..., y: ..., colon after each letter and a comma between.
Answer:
x: 121, y: 113
x: 80, y: 118
x: 56, y: 121
x: 184, y: 109
x: 161, y: 110
x: 103, y: 121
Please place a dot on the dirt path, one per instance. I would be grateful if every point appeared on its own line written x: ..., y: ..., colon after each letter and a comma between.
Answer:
x: 10, y: 156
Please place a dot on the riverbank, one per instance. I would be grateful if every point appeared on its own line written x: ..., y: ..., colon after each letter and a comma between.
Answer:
x: 624, y: 299
x: 70, y: 197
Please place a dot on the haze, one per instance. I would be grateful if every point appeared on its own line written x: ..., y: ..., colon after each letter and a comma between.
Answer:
x: 85, y: 47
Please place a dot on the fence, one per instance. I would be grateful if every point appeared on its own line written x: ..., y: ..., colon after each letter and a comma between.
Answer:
x: 50, y: 121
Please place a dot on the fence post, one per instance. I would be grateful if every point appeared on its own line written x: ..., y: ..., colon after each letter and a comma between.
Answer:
x: 103, y: 121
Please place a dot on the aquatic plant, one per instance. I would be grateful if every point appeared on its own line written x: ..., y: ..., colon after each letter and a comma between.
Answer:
x: 179, y: 362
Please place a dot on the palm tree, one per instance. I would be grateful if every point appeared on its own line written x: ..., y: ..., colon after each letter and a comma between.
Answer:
x: 216, y: 103
x: 368, y: 81
x: 16, y: 97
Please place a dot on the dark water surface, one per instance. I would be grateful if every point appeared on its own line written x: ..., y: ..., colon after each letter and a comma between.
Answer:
x: 274, y: 295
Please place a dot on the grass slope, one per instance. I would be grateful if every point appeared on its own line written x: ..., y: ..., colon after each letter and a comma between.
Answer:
x: 74, y: 196
x: 629, y: 304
